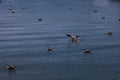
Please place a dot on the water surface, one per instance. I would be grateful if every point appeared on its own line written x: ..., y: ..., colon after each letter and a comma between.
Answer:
x: 24, y: 40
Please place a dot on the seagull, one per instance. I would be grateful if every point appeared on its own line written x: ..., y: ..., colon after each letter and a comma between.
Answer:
x: 109, y: 33
x: 72, y: 37
x: 49, y: 49
x: 10, y: 67
x: 86, y: 51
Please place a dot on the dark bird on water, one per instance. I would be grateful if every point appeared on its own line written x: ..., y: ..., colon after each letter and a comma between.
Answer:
x: 23, y: 8
x: 95, y: 11
x: 103, y: 17
x: 49, y: 49
x: 109, y: 33
x: 10, y: 67
x: 86, y: 51
x: 13, y: 12
x: 40, y: 19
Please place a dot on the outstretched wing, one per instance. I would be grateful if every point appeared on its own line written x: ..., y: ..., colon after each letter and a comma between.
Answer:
x: 77, y: 36
x: 68, y: 35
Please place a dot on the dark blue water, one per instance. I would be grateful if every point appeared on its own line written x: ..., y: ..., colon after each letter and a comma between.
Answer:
x: 24, y: 40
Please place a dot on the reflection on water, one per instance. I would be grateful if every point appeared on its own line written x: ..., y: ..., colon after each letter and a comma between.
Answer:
x: 24, y: 40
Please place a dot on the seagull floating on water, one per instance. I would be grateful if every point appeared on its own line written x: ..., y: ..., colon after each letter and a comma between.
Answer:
x: 73, y: 37
x: 86, y: 51
x: 10, y: 67
x: 109, y: 33
x: 49, y: 49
